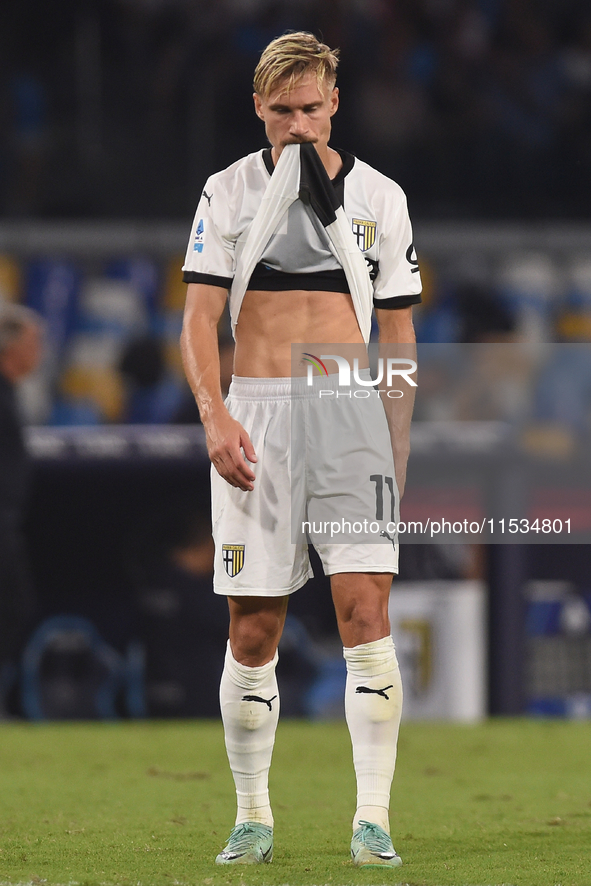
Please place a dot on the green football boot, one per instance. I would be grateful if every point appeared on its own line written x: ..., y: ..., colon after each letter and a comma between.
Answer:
x: 249, y: 843
x: 371, y: 846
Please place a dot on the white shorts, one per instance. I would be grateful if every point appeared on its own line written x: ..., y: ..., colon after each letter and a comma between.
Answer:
x: 320, y: 463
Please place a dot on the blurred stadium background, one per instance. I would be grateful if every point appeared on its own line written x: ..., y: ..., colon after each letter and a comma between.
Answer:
x: 114, y: 112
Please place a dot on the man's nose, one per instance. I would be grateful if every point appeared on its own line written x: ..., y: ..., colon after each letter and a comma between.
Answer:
x: 299, y: 124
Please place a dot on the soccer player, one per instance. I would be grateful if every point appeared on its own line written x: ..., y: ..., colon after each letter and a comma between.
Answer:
x: 304, y: 237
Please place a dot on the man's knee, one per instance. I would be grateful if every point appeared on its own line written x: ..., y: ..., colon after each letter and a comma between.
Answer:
x: 361, y: 604
x: 255, y: 630
x: 366, y: 615
x: 254, y: 641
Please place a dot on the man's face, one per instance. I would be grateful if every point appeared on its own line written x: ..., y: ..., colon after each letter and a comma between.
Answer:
x: 24, y: 354
x: 301, y: 115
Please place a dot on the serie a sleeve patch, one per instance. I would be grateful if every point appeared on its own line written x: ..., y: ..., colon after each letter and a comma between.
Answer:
x: 199, y: 241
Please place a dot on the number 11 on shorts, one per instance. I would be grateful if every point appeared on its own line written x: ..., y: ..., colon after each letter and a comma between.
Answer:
x: 378, y: 479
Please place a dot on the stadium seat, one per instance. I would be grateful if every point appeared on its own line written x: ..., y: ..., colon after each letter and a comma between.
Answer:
x: 142, y: 275
x: 175, y: 291
x: 97, y: 387
x: 111, y: 307
x: 52, y: 288
x: 170, y: 320
x: 90, y: 377
x: 574, y: 324
x: 531, y: 284
x: 10, y: 278
x: 68, y: 412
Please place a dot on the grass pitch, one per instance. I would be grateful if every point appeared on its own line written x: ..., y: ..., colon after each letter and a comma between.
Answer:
x: 507, y: 802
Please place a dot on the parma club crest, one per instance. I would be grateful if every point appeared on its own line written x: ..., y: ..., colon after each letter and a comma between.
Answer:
x: 364, y: 232
x: 233, y: 557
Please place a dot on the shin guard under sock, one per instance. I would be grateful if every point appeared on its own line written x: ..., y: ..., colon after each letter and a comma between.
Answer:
x: 373, y: 705
x: 249, y: 702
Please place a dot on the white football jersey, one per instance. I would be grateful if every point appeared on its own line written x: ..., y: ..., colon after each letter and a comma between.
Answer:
x: 300, y: 255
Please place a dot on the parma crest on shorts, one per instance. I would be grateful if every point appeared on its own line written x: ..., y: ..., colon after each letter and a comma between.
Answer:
x: 364, y: 232
x: 233, y: 557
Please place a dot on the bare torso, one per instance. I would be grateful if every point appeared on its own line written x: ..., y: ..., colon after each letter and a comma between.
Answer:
x: 270, y: 322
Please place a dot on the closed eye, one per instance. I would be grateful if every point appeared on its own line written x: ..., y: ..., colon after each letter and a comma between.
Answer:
x: 283, y: 109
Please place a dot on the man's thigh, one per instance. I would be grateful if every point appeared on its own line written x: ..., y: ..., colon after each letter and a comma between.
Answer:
x: 252, y: 530
x: 352, y: 493
x: 353, y: 498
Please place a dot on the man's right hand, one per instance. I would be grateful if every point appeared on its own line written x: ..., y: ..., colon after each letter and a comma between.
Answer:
x: 229, y: 446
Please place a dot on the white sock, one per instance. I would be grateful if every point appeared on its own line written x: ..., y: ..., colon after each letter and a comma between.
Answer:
x: 373, y: 705
x: 249, y: 700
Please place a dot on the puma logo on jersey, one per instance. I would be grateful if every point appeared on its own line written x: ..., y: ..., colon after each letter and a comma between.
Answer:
x: 382, y: 692
x: 207, y: 197
x: 263, y: 700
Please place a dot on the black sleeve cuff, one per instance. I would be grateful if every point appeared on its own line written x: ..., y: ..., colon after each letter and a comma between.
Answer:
x: 210, y: 279
x: 397, y: 301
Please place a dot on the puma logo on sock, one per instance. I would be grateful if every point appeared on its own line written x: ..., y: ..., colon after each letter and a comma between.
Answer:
x: 381, y: 692
x: 264, y: 700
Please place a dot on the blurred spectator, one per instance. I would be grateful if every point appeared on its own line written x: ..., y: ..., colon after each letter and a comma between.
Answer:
x: 20, y: 353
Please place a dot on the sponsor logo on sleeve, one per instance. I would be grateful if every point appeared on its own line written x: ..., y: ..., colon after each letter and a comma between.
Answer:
x: 199, y: 237
x: 411, y: 258
x: 373, y: 267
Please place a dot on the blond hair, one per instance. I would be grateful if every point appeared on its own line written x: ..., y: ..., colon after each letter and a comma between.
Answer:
x: 288, y: 58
